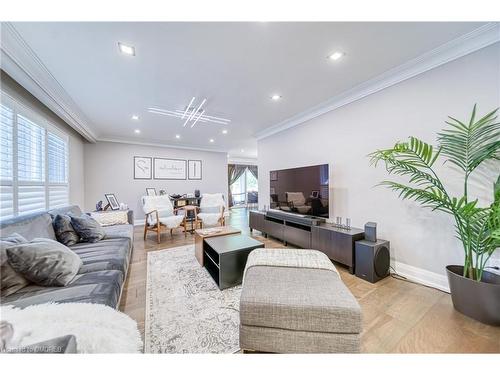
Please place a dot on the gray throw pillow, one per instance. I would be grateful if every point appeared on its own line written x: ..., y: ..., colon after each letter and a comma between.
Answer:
x: 65, y: 233
x: 87, y: 228
x: 211, y: 210
x: 11, y: 281
x: 45, y: 262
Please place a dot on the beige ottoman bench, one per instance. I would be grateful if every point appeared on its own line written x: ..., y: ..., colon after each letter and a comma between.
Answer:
x: 293, y: 301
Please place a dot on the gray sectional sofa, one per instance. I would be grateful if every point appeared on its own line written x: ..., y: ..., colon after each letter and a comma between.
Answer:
x: 105, y: 263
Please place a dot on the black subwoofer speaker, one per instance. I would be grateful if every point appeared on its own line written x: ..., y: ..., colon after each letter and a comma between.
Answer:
x: 372, y: 260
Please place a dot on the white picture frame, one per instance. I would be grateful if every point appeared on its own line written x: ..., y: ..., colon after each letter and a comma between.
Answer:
x: 169, y: 169
x: 195, y: 171
x: 142, y: 168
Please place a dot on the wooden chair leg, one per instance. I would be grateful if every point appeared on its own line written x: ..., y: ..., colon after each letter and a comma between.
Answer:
x: 158, y: 232
x: 171, y: 232
x: 145, y: 230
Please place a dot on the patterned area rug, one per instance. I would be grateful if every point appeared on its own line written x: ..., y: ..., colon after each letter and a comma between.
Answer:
x: 185, y: 310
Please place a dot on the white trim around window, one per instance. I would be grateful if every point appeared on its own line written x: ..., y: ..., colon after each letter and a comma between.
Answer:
x: 34, y: 158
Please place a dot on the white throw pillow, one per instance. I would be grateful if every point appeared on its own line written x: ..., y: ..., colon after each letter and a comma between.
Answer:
x: 107, y: 218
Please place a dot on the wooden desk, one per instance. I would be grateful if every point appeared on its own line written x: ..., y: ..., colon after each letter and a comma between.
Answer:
x: 201, y: 234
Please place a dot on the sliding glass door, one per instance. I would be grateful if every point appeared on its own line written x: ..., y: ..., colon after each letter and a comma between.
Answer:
x: 244, y: 190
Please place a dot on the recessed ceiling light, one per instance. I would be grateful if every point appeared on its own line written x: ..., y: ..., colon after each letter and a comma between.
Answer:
x: 135, y: 117
x: 336, y: 55
x: 212, y: 140
x: 177, y: 136
x: 276, y: 97
x: 127, y: 50
x: 242, y: 150
x: 224, y: 131
x: 137, y: 131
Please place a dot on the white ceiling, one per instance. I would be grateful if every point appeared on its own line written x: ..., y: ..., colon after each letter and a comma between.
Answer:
x: 236, y: 66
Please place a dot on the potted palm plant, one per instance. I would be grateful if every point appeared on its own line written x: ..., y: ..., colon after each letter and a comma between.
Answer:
x: 466, y: 145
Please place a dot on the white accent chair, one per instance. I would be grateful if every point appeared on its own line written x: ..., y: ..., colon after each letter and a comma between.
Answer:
x: 160, y: 213
x: 213, y: 210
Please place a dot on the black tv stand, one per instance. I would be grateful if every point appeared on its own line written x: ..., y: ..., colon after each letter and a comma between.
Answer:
x: 308, y: 232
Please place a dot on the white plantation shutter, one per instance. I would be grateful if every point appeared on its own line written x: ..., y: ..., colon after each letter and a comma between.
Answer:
x: 33, y: 162
x: 6, y: 162
x: 58, y: 171
x: 30, y: 166
x: 58, y: 160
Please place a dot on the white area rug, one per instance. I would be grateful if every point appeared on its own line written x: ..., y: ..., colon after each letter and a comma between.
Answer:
x: 185, y: 310
x: 97, y: 328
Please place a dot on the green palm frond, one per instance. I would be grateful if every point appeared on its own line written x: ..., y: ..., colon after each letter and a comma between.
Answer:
x: 467, y: 145
x: 431, y: 198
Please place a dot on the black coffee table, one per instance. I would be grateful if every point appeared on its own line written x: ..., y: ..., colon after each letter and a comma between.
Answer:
x: 225, y: 258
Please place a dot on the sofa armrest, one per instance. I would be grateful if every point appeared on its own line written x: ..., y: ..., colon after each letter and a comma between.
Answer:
x: 130, y: 217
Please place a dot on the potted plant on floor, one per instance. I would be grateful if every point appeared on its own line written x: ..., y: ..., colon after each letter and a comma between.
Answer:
x: 466, y: 145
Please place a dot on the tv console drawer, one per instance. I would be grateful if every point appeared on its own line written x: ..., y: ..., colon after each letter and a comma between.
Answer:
x: 297, y: 236
x: 274, y: 229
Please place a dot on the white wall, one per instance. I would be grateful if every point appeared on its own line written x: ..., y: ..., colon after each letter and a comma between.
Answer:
x: 345, y: 136
x: 76, y: 142
x: 109, y: 169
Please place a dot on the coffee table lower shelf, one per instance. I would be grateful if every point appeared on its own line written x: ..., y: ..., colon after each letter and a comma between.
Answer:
x: 225, y: 258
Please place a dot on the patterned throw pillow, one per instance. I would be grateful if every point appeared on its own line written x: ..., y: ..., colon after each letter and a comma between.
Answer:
x: 11, y: 281
x: 87, y: 228
x: 106, y: 218
x: 45, y: 262
x: 65, y: 233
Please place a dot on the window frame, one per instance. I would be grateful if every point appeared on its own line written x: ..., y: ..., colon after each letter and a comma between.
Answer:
x: 21, y: 108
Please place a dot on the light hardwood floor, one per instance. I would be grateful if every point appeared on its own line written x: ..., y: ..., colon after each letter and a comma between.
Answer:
x: 398, y: 316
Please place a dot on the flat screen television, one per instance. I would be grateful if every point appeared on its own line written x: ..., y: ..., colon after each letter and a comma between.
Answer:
x: 303, y: 190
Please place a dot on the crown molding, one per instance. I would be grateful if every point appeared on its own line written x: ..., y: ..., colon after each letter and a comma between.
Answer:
x: 156, y: 144
x: 20, y: 62
x: 482, y: 37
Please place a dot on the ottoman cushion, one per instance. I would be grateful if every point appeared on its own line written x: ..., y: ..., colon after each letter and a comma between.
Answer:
x: 301, y: 299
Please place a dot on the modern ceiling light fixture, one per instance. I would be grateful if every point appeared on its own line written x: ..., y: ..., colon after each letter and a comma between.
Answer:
x: 187, y: 108
x: 336, y: 55
x: 197, y: 118
x: 193, y: 112
x: 137, y: 131
x: 135, y: 117
x: 224, y: 131
x: 276, y: 97
x: 177, y: 136
x: 212, y: 140
x: 125, y: 49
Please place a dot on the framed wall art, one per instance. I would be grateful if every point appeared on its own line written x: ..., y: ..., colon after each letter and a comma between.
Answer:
x: 194, y: 169
x: 169, y: 169
x: 142, y: 168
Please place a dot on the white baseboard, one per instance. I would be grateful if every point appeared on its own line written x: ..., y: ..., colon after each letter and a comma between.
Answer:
x: 422, y: 276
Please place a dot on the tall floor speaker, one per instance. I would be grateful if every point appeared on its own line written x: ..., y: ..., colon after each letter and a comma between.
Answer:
x: 372, y: 260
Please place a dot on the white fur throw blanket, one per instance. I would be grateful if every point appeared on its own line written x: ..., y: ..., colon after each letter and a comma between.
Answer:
x: 97, y: 328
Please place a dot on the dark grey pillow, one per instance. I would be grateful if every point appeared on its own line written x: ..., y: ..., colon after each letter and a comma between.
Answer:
x: 65, y: 233
x: 11, y: 281
x: 45, y: 262
x: 87, y: 228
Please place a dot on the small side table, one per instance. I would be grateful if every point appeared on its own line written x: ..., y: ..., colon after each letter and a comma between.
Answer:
x: 187, y: 219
